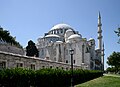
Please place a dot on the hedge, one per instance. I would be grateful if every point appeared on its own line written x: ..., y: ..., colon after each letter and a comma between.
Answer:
x: 20, y: 77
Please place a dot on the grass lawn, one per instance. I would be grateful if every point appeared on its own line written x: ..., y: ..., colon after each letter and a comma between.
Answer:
x: 105, y: 81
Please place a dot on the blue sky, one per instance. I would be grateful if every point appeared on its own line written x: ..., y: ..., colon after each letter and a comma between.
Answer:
x: 30, y: 19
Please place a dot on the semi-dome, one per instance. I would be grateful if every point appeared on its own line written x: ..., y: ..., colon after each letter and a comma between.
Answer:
x: 74, y: 36
x: 69, y: 30
x: 61, y: 26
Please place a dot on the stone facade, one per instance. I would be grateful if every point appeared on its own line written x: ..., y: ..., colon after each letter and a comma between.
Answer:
x: 10, y: 60
x: 56, y: 44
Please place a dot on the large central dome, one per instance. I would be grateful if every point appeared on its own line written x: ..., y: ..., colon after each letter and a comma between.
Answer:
x: 61, y: 26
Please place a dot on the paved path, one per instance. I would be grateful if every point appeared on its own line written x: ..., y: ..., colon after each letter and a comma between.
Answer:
x: 111, y: 75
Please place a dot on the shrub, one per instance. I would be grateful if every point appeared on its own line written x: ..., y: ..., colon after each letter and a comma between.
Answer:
x: 19, y: 77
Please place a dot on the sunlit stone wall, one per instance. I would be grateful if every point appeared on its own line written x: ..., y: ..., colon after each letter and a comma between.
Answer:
x: 11, y: 60
x: 11, y: 49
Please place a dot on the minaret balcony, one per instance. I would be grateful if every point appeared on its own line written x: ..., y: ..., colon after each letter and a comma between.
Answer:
x: 99, y: 37
x: 99, y: 25
x: 100, y: 31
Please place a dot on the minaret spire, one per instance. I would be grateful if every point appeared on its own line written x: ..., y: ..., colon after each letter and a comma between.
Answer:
x: 99, y: 32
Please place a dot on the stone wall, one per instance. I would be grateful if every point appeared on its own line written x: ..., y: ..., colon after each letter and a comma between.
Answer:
x: 14, y: 60
x: 10, y: 48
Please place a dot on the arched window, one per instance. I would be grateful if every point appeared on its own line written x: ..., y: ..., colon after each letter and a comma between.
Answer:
x: 66, y: 61
x: 57, y: 31
x: 32, y: 66
x: 51, y: 32
x: 61, y: 30
x: 2, y: 64
x: 74, y: 61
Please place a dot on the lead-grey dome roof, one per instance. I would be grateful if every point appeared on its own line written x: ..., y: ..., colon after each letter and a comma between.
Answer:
x: 74, y: 36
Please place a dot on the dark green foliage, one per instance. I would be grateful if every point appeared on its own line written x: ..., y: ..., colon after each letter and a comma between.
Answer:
x: 52, y: 78
x: 111, y: 69
x: 19, y: 77
x: 16, y: 77
x: 5, y: 36
x: 118, y: 34
x: 114, y: 61
x: 31, y: 49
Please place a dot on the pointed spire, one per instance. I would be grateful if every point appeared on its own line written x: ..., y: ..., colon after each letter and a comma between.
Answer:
x: 99, y: 32
x: 99, y: 19
x: 99, y: 16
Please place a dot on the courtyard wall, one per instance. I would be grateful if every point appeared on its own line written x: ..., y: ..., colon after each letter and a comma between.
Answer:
x: 11, y: 60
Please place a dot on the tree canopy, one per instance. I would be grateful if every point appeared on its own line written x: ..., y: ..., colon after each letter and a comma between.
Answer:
x: 31, y: 49
x: 114, y: 60
x: 118, y: 34
x: 6, y: 37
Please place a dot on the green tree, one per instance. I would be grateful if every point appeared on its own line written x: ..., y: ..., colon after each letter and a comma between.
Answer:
x: 6, y: 37
x: 118, y: 34
x: 114, y: 60
x: 111, y: 69
x: 31, y: 49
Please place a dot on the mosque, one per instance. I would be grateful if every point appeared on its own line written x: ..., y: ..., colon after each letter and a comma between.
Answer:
x: 57, y: 43
x: 56, y: 50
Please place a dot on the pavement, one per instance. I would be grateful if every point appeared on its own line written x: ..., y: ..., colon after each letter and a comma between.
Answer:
x: 114, y: 75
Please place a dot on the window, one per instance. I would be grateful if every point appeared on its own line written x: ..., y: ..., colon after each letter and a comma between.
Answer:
x: 61, y: 31
x: 33, y: 66
x: 51, y: 67
x: 51, y: 32
x: 57, y: 31
x: 67, y: 68
x: 91, y: 58
x: 20, y: 65
x: 2, y: 64
x: 74, y: 61
x: 92, y: 43
x: 43, y: 67
x: 54, y: 31
x: 87, y: 49
x: 66, y: 61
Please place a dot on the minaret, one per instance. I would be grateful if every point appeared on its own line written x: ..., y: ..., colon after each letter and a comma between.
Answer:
x: 99, y: 32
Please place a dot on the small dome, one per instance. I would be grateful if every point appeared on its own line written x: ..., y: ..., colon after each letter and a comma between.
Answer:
x: 68, y: 33
x: 91, y: 39
x: 52, y: 35
x: 74, y: 36
x: 61, y: 26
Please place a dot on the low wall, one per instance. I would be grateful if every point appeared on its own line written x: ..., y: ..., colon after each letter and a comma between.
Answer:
x: 11, y: 48
x: 11, y: 61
